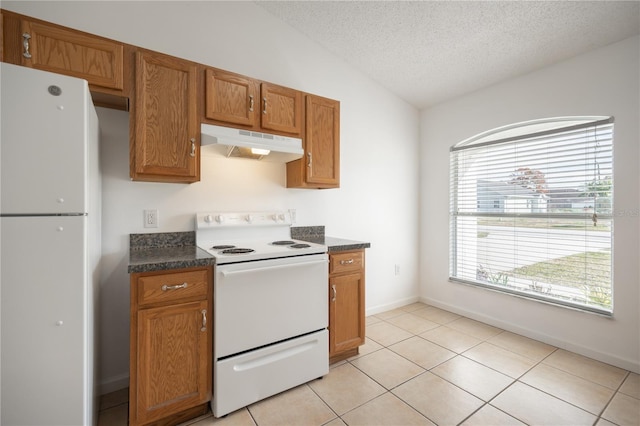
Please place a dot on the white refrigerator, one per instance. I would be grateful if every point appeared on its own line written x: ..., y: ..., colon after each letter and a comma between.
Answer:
x: 50, y: 248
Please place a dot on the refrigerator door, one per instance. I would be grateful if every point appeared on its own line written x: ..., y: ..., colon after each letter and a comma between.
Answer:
x: 43, y: 146
x: 46, y: 355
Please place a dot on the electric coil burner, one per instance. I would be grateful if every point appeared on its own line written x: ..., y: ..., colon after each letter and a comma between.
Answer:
x: 270, y: 306
x: 222, y: 247
x: 237, y: 251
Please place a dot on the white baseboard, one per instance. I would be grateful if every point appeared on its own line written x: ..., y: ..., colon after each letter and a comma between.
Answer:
x: 608, y: 358
x: 113, y: 384
x: 393, y: 305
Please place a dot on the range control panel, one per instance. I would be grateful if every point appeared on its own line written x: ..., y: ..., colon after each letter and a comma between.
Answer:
x: 243, y: 219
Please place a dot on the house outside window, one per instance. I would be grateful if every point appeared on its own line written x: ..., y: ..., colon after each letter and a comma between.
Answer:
x: 531, y: 211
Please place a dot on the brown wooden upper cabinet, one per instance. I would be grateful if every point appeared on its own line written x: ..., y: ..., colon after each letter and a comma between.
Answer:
x: 230, y: 97
x: 320, y: 166
x: 164, y: 97
x: 50, y: 47
x: 64, y: 51
x: 234, y: 99
x: 281, y: 109
x: 165, y: 126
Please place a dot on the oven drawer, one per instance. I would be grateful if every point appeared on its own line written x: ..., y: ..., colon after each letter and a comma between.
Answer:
x: 170, y: 287
x: 244, y: 379
x: 346, y: 262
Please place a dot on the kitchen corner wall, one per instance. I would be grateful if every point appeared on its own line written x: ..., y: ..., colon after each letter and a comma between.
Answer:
x: 378, y: 198
x: 601, y: 82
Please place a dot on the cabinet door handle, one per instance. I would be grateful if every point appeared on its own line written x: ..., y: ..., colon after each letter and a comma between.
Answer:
x: 25, y: 44
x: 346, y: 262
x: 335, y: 293
x: 204, y: 320
x: 310, y: 159
x: 250, y: 103
x: 264, y: 105
x: 174, y: 287
x: 193, y: 147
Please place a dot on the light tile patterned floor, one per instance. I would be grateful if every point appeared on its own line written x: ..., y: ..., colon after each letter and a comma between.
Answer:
x: 423, y: 366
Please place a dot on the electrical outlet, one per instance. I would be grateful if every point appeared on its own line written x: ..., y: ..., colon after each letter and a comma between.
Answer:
x: 151, y: 219
x: 397, y: 269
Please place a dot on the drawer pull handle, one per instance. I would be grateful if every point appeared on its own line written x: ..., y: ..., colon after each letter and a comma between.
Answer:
x: 250, y: 103
x: 174, y: 287
x: 346, y: 262
x: 204, y: 320
x: 264, y: 105
x: 25, y: 45
x: 335, y: 293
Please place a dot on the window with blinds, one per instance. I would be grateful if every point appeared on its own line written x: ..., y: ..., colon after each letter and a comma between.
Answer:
x: 531, y: 211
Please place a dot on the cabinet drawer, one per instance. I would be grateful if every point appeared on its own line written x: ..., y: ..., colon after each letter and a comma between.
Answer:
x: 346, y: 262
x: 172, y: 286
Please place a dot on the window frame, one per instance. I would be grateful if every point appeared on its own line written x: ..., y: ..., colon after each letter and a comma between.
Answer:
x: 505, y: 135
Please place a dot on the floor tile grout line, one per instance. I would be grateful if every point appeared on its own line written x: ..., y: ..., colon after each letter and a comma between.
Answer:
x: 435, y: 343
x: 487, y: 340
x: 550, y: 394
x: 514, y: 380
x: 616, y: 392
x: 518, y: 380
x: 467, y: 334
x: 321, y: 398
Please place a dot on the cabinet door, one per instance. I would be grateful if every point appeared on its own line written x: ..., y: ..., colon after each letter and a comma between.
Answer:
x: 174, y: 358
x: 167, y: 134
x: 63, y: 51
x: 230, y: 98
x: 346, y: 312
x: 281, y: 109
x: 322, y: 141
x: 320, y: 167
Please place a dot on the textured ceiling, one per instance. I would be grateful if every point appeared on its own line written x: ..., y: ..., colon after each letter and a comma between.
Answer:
x: 431, y: 51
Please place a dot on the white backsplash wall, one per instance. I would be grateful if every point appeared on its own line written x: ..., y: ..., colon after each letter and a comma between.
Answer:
x: 378, y: 198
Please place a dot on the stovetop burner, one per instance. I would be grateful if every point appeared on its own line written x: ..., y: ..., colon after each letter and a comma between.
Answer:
x: 248, y: 236
x: 283, y: 243
x: 237, y: 251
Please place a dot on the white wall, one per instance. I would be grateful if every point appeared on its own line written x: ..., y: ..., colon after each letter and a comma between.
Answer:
x: 602, y: 82
x: 377, y: 201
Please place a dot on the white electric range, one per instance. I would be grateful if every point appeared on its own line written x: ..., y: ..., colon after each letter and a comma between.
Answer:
x: 270, y: 306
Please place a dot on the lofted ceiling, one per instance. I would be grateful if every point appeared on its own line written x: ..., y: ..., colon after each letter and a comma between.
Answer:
x: 427, y: 52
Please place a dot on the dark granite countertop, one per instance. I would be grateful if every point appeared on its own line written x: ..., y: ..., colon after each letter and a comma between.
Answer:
x: 162, y: 251
x: 315, y: 234
x: 176, y: 250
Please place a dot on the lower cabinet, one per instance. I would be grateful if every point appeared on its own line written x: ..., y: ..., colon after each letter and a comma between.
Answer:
x: 170, y: 346
x: 346, y: 304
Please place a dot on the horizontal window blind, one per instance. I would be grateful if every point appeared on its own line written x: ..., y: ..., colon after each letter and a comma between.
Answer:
x: 531, y: 213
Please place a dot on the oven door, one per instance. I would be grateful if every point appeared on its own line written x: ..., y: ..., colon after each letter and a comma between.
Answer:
x: 263, y: 302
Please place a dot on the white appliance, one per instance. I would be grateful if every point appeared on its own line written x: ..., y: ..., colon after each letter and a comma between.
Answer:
x: 50, y: 248
x: 232, y: 142
x: 270, y: 306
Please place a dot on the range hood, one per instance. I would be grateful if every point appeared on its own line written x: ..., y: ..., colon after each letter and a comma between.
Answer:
x: 249, y: 144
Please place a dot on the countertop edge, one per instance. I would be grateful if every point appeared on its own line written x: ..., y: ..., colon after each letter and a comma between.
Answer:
x: 167, y: 257
x: 168, y: 265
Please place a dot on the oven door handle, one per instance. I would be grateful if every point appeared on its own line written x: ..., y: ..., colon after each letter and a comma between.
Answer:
x: 264, y: 268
